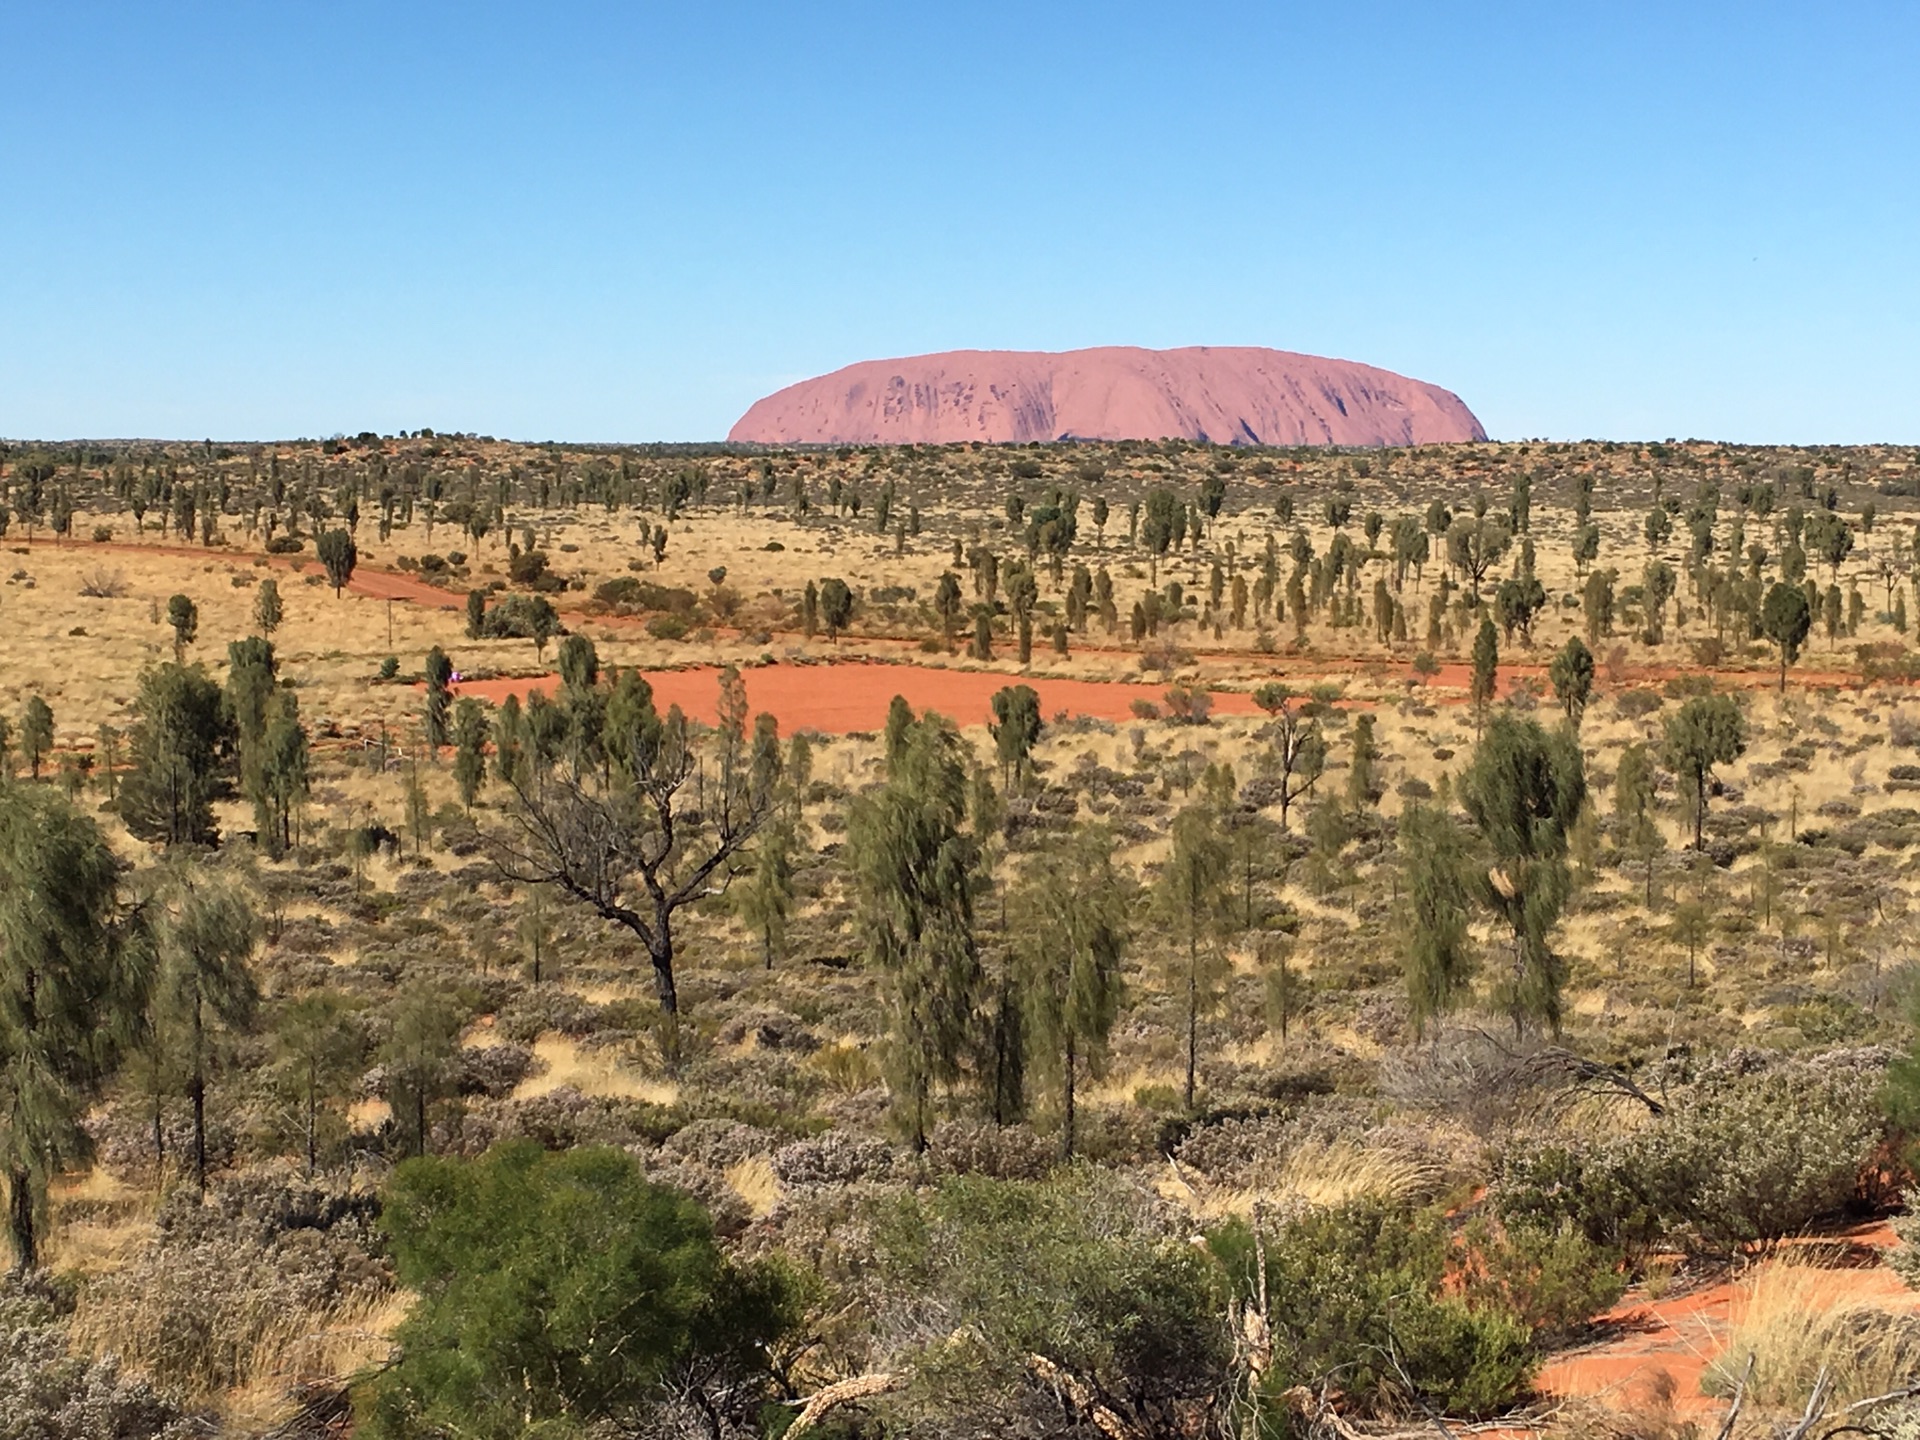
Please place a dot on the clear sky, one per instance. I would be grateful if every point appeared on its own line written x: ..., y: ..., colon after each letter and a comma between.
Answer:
x: 628, y: 221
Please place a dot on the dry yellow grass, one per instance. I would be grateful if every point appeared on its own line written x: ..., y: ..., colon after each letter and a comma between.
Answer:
x: 100, y: 1224
x: 1320, y: 1172
x: 369, y: 1114
x: 1798, y: 1317
x: 276, y: 1348
x: 753, y: 1181
x: 591, y: 1073
x: 303, y: 1347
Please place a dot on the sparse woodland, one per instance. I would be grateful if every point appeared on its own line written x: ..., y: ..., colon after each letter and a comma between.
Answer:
x: 441, y: 997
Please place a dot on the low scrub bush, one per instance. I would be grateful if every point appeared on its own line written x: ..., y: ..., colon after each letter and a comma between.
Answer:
x: 50, y: 1394
x: 629, y: 595
x: 1359, y: 1299
x: 560, y: 1294
x: 1741, y: 1158
x: 1002, y: 1294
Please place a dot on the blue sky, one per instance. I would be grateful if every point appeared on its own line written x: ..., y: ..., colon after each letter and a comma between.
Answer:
x: 628, y: 221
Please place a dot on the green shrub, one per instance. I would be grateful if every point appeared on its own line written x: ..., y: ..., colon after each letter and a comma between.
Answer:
x: 983, y: 1275
x: 1553, y: 1283
x: 1358, y: 1299
x: 667, y: 627
x: 521, y: 617
x: 562, y: 1292
x: 630, y: 595
x: 1740, y: 1158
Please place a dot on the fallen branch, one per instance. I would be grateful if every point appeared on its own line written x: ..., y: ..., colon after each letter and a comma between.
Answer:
x: 1816, y: 1406
x: 841, y: 1392
x: 1739, y: 1398
x: 1081, y: 1396
x: 1315, y: 1410
x: 1906, y: 1392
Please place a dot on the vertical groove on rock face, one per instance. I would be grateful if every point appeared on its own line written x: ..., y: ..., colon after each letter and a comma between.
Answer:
x: 1231, y: 394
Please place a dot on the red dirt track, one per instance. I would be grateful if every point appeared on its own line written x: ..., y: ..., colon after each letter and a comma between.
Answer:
x: 853, y: 696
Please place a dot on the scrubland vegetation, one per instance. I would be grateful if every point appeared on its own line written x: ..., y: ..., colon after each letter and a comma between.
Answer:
x: 1486, y: 911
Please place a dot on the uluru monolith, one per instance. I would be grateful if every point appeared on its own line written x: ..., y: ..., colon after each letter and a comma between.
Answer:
x: 1233, y: 394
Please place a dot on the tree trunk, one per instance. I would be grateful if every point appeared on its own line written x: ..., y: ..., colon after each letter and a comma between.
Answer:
x: 313, y: 1108
x: 660, y: 951
x: 1066, y: 1105
x: 26, y: 1241
x: 1193, y: 1012
x: 199, y: 1104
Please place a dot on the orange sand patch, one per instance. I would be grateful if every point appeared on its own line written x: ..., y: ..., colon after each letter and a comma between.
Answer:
x: 852, y: 696
x: 1667, y: 1345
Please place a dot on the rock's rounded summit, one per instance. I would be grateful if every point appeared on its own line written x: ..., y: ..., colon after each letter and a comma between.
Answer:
x: 1233, y: 395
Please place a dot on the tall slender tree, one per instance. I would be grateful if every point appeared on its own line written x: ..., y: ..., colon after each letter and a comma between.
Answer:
x: 1191, y: 900
x: 419, y: 1055
x: 184, y: 618
x: 203, y: 987
x: 267, y: 613
x: 1015, y: 728
x: 36, y: 733
x: 1438, y: 957
x: 339, y: 555
x: 439, y: 704
x: 319, y: 1050
x: 1072, y: 922
x: 1524, y: 790
x: 470, y: 755
x: 764, y: 900
x: 1706, y: 732
x: 1486, y: 670
x: 1636, y: 827
x: 181, y: 749
x: 1571, y: 675
x: 74, y: 972
x: 915, y: 865
x: 1299, y: 749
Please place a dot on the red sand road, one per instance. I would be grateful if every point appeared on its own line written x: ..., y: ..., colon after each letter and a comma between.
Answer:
x: 852, y: 696
x: 1455, y: 676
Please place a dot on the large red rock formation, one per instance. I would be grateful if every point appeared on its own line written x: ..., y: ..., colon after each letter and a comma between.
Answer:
x: 1226, y: 394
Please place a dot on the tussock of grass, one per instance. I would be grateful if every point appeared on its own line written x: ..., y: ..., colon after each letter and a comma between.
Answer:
x: 1796, y: 1317
x: 302, y: 1347
x: 101, y: 1224
x: 1320, y: 1172
x: 591, y: 1073
x: 754, y: 1182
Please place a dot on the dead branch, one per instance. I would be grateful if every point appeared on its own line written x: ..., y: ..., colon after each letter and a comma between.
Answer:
x: 1739, y: 1397
x: 841, y: 1392
x: 1082, y: 1397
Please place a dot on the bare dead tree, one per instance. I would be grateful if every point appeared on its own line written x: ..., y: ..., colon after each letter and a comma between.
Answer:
x: 651, y: 831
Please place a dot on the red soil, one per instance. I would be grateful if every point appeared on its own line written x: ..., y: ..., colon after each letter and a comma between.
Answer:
x: 1663, y: 1348
x: 853, y: 696
x: 953, y: 692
